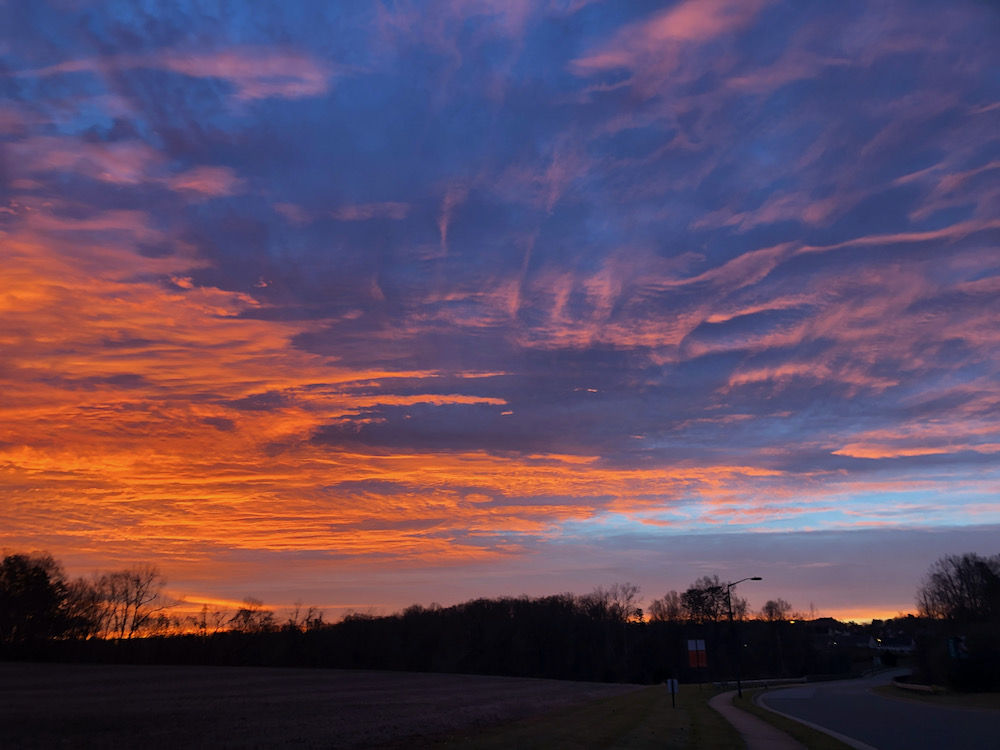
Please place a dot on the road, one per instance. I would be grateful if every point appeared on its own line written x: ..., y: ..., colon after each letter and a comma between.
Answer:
x: 849, y: 709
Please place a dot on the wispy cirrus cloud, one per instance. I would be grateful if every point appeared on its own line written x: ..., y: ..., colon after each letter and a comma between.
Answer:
x: 495, y: 283
x: 654, y: 47
x: 206, y: 181
x: 119, y: 163
x: 253, y: 74
x: 366, y: 211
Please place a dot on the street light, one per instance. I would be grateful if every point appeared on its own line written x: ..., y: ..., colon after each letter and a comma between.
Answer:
x: 732, y: 626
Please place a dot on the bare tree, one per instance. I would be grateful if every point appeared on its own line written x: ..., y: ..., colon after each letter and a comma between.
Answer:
x: 200, y: 621
x: 625, y: 601
x: 705, y: 600
x: 131, y: 598
x: 83, y: 608
x: 667, y: 609
x: 252, y: 617
x: 775, y: 610
x: 219, y: 618
x: 596, y: 604
x: 298, y: 620
x: 741, y: 607
x: 963, y: 588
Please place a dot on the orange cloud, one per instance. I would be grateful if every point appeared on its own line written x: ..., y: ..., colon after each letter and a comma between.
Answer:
x: 121, y: 415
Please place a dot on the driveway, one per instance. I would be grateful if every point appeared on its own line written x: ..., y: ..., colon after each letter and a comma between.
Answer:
x: 849, y: 709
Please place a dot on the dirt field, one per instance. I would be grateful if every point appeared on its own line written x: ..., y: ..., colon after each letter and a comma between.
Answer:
x: 82, y: 706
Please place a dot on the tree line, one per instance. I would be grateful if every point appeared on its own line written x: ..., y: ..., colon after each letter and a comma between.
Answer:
x: 603, y: 635
x: 38, y: 602
x: 960, y: 599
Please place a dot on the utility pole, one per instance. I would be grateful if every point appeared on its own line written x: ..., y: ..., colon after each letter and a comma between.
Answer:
x: 732, y: 628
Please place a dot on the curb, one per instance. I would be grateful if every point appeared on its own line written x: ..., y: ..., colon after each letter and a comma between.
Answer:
x: 850, y: 741
x: 913, y: 686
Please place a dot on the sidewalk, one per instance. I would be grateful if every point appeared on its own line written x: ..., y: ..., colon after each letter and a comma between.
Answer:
x: 758, y: 734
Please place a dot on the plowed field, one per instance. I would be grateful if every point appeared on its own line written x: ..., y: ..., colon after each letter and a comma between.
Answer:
x: 84, y: 706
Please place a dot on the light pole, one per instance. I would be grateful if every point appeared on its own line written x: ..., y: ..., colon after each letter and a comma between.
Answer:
x: 732, y: 627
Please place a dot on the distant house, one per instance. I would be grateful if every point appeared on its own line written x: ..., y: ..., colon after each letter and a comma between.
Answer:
x: 893, y: 644
x: 826, y: 626
x: 825, y: 632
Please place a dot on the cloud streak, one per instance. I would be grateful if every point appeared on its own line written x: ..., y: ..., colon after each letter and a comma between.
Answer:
x: 252, y: 74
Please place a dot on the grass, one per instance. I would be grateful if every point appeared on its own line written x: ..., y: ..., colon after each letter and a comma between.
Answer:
x: 944, y: 697
x: 643, y: 719
x: 811, y: 738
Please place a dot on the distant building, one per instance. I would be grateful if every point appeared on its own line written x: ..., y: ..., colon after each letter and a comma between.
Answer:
x: 893, y: 644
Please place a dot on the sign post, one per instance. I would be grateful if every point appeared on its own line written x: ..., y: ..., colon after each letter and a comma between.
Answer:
x: 696, y: 657
x: 672, y: 688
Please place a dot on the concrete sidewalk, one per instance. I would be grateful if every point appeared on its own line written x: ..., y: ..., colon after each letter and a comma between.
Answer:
x: 758, y: 734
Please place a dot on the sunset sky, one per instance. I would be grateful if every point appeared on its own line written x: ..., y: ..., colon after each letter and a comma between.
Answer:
x: 362, y: 304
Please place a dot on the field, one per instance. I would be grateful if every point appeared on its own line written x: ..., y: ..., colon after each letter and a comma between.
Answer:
x: 85, y: 706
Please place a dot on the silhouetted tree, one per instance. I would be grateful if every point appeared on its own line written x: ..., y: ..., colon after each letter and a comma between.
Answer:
x: 130, y: 599
x: 624, y: 601
x: 705, y: 600
x: 597, y: 604
x: 32, y: 596
x: 311, y: 619
x: 83, y: 609
x: 775, y: 610
x: 962, y: 593
x: 252, y: 617
x: 741, y: 609
x: 963, y: 588
x: 667, y: 609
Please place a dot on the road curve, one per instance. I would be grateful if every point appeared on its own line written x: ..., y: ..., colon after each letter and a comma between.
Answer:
x: 849, y: 709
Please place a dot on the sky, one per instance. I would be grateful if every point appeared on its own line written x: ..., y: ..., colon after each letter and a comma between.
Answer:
x: 365, y: 304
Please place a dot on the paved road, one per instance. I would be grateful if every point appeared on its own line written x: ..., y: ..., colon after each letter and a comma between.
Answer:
x: 885, y: 723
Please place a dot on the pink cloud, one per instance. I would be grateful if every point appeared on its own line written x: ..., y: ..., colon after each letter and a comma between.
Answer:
x: 544, y: 185
x: 453, y: 198
x: 259, y: 75
x: 947, y: 188
x: 872, y: 450
x: 294, y: 214
x: 654, y: 45
x: 253, y: 73
x: 206, y: 182
x: 365, y: 211
x: 136, y: 224
x: 796, y: 65
x: 122, y: 163
x: 699, y: 20
x: 779, y: 207
x: 952, y: 232
x: 13, y: 120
